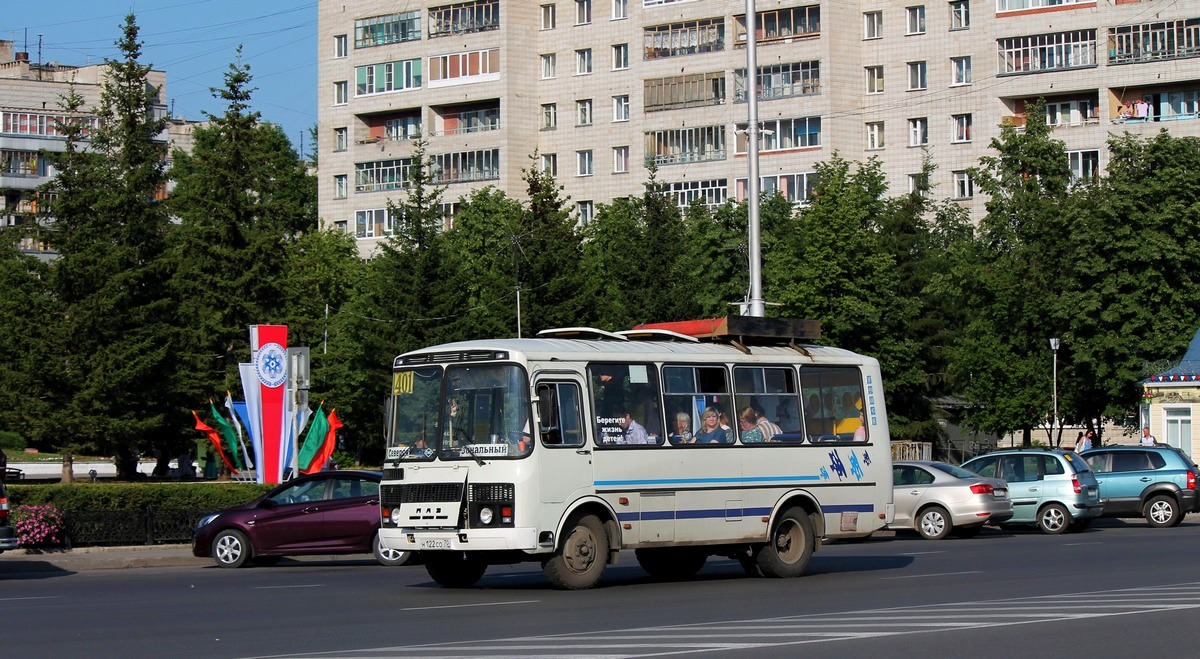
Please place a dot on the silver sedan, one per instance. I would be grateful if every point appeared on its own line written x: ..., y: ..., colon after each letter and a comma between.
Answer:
x: 934, y: 498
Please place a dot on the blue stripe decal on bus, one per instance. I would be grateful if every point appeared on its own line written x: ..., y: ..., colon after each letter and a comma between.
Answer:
x: 682, y: 481
x: 659, y: 515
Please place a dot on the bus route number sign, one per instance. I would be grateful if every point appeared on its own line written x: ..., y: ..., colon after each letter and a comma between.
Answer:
x: 402, y: 383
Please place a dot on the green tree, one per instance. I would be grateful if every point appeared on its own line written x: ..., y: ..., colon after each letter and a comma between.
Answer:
x: 549, y: 251
x: 110, y: 276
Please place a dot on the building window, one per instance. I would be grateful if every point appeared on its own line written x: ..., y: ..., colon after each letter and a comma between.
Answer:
x: 916, y: 75
x: 341, y: 139
x: 620, y: 56
x: 875, y: 135
x: 583, y: 61
x: 466, y: 166
x: 375, y: 223
x: 711, y: 192
x: 382, y: 30
x: 1160, y: 40
x: 1085, y: 166
x: 388, y: 77
x: 782, y: 134
x: 549, y: 116
x: 341, y: 46
x: 684, y: 91
x: 964, y: 188
x: 621, y: 108
x: 464, y: 18
x: 583, y: 12
x: 548, y: 66
x: 382, y: 175
x: 918, y: 131
x: 960, y: 14
x: 874, y: 79
x: 341, y: 92
x: 478, y: 64
x: 1047, y: 52
x: 583, y: 160
x: 960, y: 70
x: 549, y: 18
x: 916, y: 19
x: 873, y: 25
x: 1014, y: 5
x: 583, y: 112
x: 962, y: 127
x: 781, y: 80
x: 780, y: 24
x: 587, y: 212
x: 706, y: 35
x: 339, y: 186
x: 620, y: 159
x: 918, y: 183
x: 681, y: 146
x: 620, y: 9
x: 796, y: 188
x: 407, y: 127
x: 550, y: 164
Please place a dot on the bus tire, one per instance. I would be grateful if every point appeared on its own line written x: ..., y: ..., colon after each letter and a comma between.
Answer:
x: 451, y: 570
x: 580, y: 557
x: 671, y: 564
x: 790, y: 546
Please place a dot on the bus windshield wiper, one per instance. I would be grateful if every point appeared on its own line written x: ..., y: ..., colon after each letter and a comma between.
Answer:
x: 467, y: 448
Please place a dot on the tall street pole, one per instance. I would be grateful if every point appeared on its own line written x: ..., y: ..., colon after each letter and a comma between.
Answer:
x: 757, y: 306
x: 1054, y: 420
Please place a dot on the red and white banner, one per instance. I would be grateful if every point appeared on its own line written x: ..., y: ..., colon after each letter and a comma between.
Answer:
x: 268, y: 353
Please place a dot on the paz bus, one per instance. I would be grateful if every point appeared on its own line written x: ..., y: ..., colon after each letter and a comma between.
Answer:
x: 568, y: 448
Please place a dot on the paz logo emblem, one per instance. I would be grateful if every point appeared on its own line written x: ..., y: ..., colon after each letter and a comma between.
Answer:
x: 269, y: 364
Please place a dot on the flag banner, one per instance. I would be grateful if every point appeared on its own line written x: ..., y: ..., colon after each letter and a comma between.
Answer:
x: 233, y: 414
x: 269, y: 355
x: 313, y: 442
x: 329, y: 445
x: 253, y: 415
x: 212, y: 437
x: 228, y: 435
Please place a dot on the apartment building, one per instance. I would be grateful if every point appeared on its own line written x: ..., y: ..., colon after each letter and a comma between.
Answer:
x: 595, y: 91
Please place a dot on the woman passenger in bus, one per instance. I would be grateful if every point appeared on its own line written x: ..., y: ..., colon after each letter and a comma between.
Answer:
x: 751, y: 433
x: 711, y: 431
x: 683, y: 429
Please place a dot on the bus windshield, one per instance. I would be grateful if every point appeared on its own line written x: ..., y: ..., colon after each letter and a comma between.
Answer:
x: 467, y: 412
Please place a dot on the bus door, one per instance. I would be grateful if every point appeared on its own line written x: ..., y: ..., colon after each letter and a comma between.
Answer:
x: 564, y: 458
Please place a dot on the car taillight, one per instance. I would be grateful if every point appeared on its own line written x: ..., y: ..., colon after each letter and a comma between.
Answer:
x: 1191, y: 484
x: 3, y: 507
x: 982, y: 488
x: 1075, y: 484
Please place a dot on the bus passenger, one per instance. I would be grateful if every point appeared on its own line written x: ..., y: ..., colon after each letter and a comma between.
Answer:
x: 769, y: 428
x: 751, y: 433
x: 711, y: 431
x: 683, y: 429
x: 632, y: 432
x: 860, y: 433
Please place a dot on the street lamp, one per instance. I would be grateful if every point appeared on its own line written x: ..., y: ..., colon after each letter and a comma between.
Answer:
x: 1054, y: 419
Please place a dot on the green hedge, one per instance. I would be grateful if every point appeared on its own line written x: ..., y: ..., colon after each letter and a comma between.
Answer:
x: 135, y: 496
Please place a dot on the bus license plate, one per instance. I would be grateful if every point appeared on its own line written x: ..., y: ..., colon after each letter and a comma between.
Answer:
x: 433, y: 543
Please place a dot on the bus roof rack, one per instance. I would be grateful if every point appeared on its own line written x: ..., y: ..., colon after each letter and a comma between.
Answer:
x: 580, y: 333
x: 745, y: 330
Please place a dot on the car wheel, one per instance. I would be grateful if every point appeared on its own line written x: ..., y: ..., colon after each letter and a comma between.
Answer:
x: 934, y: 523
x: 581, y: 556
x: 1162, y: 511
x: 789, y: 547
x: 266, y: 561
x: 231, y: 548
x: 967, y: 532
x: 1054, y: 519
x: 389, y: 557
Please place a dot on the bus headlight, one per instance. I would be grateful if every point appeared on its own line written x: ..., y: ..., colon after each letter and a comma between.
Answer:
x: 396, y: 516
x: 485, y: 516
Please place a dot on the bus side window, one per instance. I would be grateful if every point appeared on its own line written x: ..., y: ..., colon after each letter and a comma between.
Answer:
x: 560, y: 421
x: 834, y: 406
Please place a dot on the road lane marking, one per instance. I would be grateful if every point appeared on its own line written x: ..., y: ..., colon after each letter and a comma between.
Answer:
x: 19, y: 599
x: 921, y: 553
x: 304, y: 585
x: 939, y: 574
x: 464, y: 606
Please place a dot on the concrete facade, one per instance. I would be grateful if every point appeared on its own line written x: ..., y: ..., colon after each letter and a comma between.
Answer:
x: 663, y: 81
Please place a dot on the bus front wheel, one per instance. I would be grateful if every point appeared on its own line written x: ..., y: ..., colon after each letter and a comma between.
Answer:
x: 789, y: 547
x: 452, y: 570
x: 580, y: 558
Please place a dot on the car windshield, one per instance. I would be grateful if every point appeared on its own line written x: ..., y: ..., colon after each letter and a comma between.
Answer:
x: 957, y: 472
x: 464, y: 412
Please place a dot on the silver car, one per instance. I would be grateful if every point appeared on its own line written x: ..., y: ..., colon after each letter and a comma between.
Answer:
x: 935, y: 499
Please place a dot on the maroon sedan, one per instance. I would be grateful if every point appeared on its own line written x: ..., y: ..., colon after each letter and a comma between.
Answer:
x: 330, y: 512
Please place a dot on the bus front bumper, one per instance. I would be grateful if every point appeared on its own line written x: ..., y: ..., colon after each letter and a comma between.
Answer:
x: 459, y: 540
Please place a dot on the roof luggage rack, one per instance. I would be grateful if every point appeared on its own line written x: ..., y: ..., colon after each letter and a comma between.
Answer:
x: 742, y: 331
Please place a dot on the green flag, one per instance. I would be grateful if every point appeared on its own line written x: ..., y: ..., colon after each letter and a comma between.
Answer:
x: 228, y: 435
x: 313, y: 440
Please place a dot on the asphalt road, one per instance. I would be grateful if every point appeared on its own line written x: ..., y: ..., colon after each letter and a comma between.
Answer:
x: 1120, y: 589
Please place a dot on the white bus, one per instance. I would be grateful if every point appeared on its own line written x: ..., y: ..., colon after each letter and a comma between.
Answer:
x: 568, y: 448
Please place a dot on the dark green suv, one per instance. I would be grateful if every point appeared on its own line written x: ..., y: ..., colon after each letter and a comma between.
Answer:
x: 1155, y: 482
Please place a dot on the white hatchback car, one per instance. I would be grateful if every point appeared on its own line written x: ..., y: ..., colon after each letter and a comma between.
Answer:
x: 935, y: 499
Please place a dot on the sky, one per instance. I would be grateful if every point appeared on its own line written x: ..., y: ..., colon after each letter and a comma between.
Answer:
x: 194, y: 42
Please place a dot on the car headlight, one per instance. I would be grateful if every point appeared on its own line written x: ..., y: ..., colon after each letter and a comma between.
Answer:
x: 207, y: 519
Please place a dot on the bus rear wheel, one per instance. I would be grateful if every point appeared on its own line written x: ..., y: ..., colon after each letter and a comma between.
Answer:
x: 453, y: 570
x: 671, y: 564
x: 789, y: 547
x: 580, y: 558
